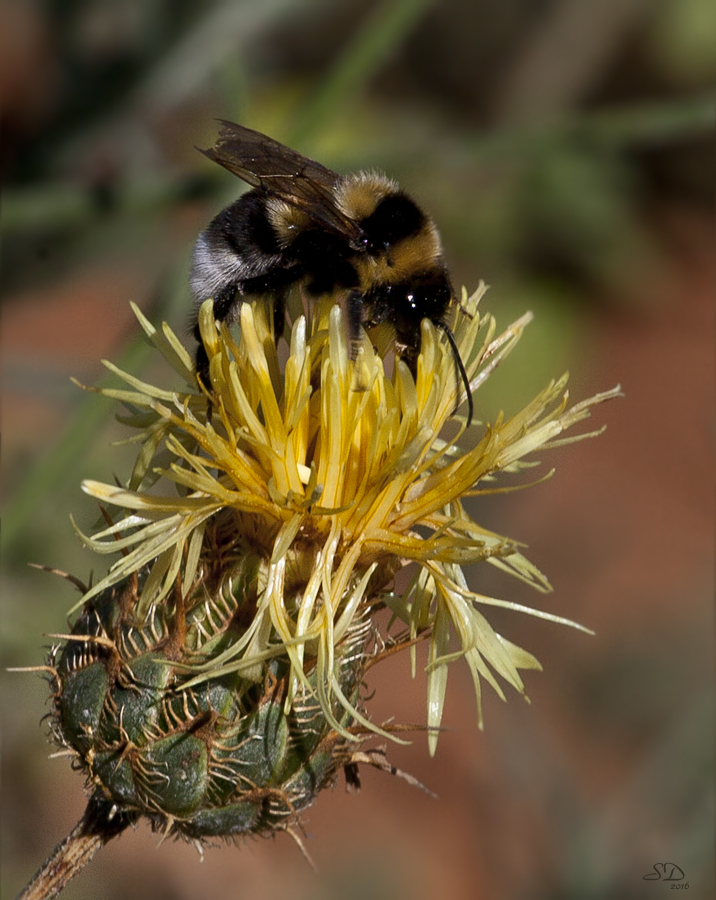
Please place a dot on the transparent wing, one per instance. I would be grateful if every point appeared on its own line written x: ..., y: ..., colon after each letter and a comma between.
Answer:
x: 266, y: 164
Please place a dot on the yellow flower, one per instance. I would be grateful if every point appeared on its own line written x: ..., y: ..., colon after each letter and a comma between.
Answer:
x: 337, y: 476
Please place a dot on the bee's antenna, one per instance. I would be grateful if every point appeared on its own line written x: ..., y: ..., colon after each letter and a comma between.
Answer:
x: 460, y: 373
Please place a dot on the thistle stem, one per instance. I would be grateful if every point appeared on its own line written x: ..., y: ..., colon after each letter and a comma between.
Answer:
x: 99, y: 824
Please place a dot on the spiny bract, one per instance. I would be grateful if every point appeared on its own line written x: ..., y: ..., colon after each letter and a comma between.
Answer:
x: 221, y: 758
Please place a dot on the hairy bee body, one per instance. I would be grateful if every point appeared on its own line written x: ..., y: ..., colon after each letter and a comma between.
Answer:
x: 304, y: 224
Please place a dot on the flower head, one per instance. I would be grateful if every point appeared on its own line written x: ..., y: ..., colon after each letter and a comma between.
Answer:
x: 334, y: 476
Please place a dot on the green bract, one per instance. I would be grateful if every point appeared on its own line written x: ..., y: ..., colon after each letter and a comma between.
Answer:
x: 224, y: 757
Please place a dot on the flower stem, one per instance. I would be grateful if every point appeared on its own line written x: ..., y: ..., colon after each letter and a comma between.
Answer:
x: 99, y: 824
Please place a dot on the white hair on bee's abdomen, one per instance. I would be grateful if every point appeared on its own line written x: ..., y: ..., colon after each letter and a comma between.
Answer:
x: 213, y: 267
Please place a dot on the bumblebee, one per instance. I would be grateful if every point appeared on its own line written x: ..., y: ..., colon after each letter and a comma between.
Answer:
x: 303, y: 224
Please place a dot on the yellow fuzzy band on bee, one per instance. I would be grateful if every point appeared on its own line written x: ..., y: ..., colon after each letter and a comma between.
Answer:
x: 358, y: 195
x: 286, y: 219
x: 407, y: 258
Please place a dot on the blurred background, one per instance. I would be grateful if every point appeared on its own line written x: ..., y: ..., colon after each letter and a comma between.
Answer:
x: 565, y: 150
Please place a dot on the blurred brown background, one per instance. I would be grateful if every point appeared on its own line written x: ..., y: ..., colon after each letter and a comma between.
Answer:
x: 564, y: 148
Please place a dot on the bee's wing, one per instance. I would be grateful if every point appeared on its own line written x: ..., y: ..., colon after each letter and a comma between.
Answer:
x: 264, y: 163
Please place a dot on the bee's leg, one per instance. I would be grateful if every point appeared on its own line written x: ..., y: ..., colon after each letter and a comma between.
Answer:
x: 201, y: 364
x: 354, y: 309
x: 279, y: 314
x: 223, y: 304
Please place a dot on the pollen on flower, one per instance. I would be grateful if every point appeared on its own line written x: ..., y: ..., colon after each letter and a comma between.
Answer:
x: 330, y: 476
